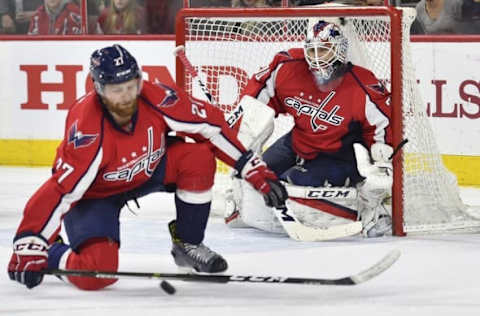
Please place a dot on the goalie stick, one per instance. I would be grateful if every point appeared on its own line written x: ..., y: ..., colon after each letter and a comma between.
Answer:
x: 294, y: 228
x: 358, y: 278
x: 234, y: 115
x: 179, y: 51
x: 300, y: 232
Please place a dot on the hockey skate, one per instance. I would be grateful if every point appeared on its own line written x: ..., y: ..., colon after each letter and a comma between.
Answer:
x: 198, y: 257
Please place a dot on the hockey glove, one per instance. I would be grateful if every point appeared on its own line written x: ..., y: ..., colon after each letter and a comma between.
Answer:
x: 254, y: 170
x: 28, y: 260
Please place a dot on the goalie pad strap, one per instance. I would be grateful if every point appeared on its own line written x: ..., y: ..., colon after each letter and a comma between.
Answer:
x: 329, y: 207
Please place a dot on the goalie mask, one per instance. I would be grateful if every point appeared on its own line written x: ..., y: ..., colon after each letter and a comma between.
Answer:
x: 325, y: 50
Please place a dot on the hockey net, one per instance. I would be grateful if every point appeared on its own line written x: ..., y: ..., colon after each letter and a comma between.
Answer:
x: 228, y: 46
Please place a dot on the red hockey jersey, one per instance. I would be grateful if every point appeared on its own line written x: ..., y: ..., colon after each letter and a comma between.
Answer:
x: 97, y: 159
x: 67, y: 22
x: 324, y: 121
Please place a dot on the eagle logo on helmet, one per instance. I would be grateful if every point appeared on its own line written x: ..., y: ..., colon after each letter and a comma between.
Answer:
x: 325, y: 31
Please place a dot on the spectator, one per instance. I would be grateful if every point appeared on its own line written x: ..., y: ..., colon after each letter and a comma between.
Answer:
x: 471, y: 10
x: 56, y: 17
x: 444, y: 17
x: 94, y: 7
x: 20, y: 11
x: 361, y: 2
x: 122, y: 17
x: 250, y: 4
x: 210, y: 3
x: 161, y: 15
x: 7, y: 23
x: 345, y: 2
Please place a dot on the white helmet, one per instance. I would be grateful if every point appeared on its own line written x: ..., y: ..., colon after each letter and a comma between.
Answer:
x: 325, y: 49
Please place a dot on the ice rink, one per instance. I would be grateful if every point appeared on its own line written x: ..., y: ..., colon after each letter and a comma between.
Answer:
x: 436, y: 275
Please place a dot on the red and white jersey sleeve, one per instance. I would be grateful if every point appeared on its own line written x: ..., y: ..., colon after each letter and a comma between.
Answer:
x: 197, y: 119
x: 374, y: 110
x: 264, y: 83
x: 75, y: 168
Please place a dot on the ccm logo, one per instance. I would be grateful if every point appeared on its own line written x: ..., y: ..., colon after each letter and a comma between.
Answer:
x: 257, y: 278
x: 314, y: 194
x: 30, y: 246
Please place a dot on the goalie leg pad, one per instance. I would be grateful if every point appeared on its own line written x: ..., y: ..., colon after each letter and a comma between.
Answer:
x: 311, y: 215
x: 329, y: 207
x: 255, y: 213
x: 373, y: 211
x: 373, y: 191
x: 233, y: 203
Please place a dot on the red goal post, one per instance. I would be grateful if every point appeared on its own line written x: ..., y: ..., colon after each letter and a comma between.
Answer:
x: 229, y: 45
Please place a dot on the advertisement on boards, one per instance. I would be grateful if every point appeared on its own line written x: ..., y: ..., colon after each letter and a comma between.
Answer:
x: 41, y: 79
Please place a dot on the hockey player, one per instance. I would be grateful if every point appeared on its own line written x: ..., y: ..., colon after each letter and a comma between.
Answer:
x: 334, y: 104
x: 116, y: 149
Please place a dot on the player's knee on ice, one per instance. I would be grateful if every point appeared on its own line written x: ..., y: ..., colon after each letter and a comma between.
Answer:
x: 95, y: 254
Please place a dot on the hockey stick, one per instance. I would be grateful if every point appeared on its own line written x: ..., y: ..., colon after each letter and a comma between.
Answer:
x: 368, y: 274
x: 179, y: 51
x: 300, y: 232
x: 235, y: 114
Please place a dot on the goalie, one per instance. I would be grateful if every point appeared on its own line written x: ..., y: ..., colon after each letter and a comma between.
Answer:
x: 334, y: 105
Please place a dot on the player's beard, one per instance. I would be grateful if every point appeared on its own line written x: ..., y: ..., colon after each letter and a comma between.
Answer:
x: 122, y: 112
x: 334, y: 79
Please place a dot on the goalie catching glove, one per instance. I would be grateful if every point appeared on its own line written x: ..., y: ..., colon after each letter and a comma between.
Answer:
x: 28, y: 260
x: 254, y: 170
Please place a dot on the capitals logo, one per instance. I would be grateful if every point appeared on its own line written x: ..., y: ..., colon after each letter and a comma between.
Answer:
x: 317, y: 113
x: 378, y: 88
x: 170, y: 95
x: 78, y: 139
x: 145, y: 163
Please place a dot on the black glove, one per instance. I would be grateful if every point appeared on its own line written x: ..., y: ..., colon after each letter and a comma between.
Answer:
x: 277, y: 195
x: 254, y: 170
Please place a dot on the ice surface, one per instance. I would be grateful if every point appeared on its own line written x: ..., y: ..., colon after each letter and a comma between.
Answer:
x: 436, y: 275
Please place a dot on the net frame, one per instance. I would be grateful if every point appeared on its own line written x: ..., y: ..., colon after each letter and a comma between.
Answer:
x: 397, y: 59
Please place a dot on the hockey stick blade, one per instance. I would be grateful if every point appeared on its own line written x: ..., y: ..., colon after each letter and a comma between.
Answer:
x: 300, y: 232
x: 366, y: 275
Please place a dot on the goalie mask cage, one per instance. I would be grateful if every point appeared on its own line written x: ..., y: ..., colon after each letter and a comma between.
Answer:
x: 227, y: 46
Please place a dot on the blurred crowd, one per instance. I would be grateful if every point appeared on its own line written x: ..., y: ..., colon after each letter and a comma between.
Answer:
x: 63, y: 17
